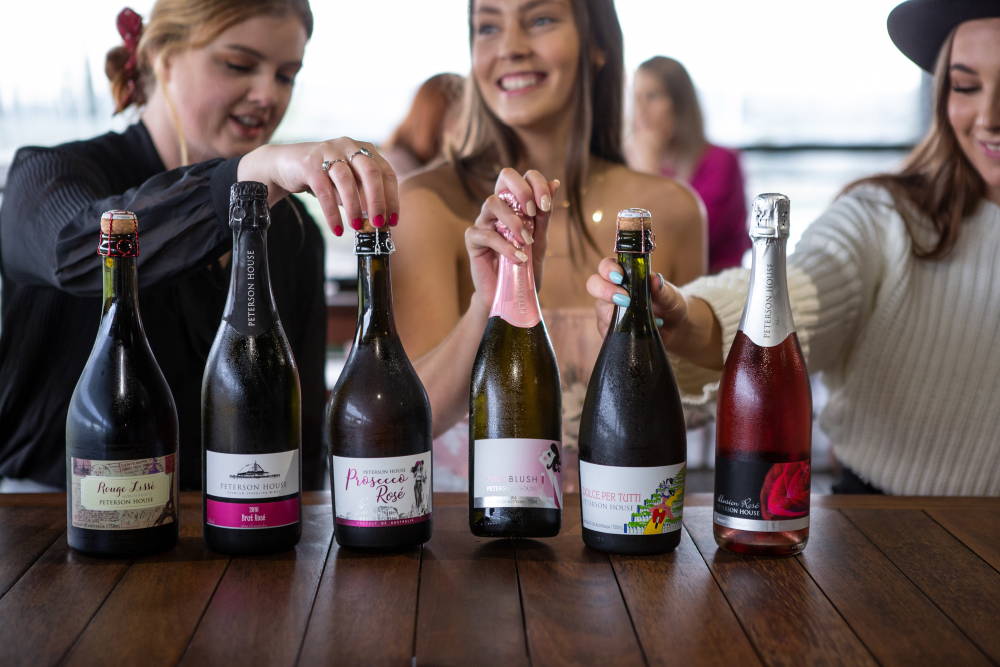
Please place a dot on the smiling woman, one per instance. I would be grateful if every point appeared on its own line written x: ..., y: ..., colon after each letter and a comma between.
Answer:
x: 212, y: 80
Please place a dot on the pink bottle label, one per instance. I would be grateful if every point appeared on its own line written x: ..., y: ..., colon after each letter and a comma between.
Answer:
x: 252, y: 515
x: 517, y: 472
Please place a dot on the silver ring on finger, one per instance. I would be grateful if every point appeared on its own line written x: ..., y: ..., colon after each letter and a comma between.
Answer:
x: 361, y: 151
x: 328, y: 164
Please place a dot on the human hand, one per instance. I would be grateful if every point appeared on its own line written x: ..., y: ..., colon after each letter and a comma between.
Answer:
x: 484, y: 244
x: 351, y: 173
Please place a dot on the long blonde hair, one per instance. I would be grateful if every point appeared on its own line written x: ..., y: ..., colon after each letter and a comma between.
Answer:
x: 936, y: 183
x: 596, y: 124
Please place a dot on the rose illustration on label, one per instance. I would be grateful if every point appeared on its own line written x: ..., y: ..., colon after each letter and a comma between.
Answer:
x: 785, y: 492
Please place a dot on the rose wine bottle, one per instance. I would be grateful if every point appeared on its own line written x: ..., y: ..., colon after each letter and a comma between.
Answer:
x: 250, y: 410
x: 764, y: 427
x: 378, y: 421
x: 633, y: 445
x: 121, y: 427
x: 515, y: 412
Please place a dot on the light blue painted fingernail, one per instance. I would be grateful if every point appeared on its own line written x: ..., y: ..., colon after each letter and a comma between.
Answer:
x: 659, y: 322
x: 616, y: 277
x: 622, y: 300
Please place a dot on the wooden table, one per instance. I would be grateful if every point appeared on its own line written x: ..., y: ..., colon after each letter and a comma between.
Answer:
x: 896, y: 581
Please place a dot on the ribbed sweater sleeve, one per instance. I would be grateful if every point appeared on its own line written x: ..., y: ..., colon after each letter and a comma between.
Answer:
x: 54, y: 200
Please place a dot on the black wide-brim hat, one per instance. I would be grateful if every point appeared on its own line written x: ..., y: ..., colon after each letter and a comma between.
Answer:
x: 918, y: 28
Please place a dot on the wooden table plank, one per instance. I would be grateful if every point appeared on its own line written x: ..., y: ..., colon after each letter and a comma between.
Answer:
x: 259, y: 611
x: 897, y: 623
x: 784, y: 613
x: 960, y: 583
x: 364, y: 609
x: 27, y: 533
x: 46, y: 610
x: 573, y: 608
x: 978, y: 529
x: 469, y: 609
x: 152, y: 613
x: 679, y: 611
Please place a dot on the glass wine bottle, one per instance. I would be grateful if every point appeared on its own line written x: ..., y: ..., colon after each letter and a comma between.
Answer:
x: 633, y: 445
x: 378, y: 421
x: 251, y: 411
x: 515, y: 412
x: 121, y: 427
x: 764, y: 427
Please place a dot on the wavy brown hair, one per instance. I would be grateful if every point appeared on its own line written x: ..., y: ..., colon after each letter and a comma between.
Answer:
x: 688, y: 140
x: 936, y: 183
x: 422, y: 131
x: 597, y: 118
x: 175, y: 25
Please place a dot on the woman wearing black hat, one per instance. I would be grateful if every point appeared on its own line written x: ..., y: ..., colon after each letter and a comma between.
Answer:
x: 895, y: 289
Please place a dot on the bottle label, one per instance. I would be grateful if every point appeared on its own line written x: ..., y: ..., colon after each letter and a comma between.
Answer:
x: 124, y: 495
x: 517, y: 472
x: 760, y: 495
x: 646, y: 500
x: 252, y: 313
x: 252, y: 490
x: 382, y: 492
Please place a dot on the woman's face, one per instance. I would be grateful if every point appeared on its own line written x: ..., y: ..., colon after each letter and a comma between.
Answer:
x: 231, y: 94
x: 654, y: 110
x: 524, y: 59
x: 974, y: 97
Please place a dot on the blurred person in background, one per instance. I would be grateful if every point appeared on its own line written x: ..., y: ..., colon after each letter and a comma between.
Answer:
x: 544, y: 97
x: 894, y: 290
x: 420, y: 137
x: 668, y: 138
x: 211, y: 80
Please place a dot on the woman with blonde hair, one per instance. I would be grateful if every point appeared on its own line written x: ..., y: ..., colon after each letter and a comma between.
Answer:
x: 544, y: 121
x: 894, y: 290
x: 211, y: 80
x: 668, y: 138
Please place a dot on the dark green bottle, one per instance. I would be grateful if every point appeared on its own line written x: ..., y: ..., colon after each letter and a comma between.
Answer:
x: 632, y: 437
x: 121, y: 427
x: 515, y: 414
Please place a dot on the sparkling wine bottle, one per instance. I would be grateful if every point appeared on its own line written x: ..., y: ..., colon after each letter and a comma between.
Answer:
x: 764, y: 427
x: 515, y: 413
x: 378, y: 421
x: 251, y: 411
x: 633, y: 445
x: 121, y: 427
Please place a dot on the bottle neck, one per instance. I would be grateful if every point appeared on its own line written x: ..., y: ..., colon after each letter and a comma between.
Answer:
x: 516, y: 301
x: 250, y: 308
x: 637, y: 317
x: 120, y: 309
x: 375, y: 318
x: 767, y: 316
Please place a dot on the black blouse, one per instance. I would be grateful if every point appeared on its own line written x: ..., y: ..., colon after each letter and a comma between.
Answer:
x: 51, y: 298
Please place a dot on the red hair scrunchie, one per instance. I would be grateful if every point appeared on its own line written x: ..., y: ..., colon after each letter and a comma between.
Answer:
x: 130, y: 28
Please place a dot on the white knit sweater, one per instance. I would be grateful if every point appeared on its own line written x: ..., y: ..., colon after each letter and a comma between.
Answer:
x: 909, y: 348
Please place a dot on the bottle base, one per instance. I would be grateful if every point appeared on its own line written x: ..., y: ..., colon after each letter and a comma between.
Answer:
x: 396, y: 538
x: 631, y: 545
x: 252, y: 542
x: 785, y: 543
x: 122, y: 543
x: 514, y: 522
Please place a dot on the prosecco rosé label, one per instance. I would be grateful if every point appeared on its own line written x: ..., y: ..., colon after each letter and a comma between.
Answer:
x: 250, y: 491
x: 123, y: 495
x: 760, y: 495
x: 382, y: 492
x: 517, y: 472
x: 646, y: 500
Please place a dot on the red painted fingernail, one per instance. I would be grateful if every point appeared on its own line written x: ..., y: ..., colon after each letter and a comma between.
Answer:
x: 379, y: 220
x: 357, y: 222
x: 393, y: 219
x: 339, y: 230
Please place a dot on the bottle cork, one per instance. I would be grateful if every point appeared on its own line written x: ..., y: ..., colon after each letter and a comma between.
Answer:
x: 119, y: 222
